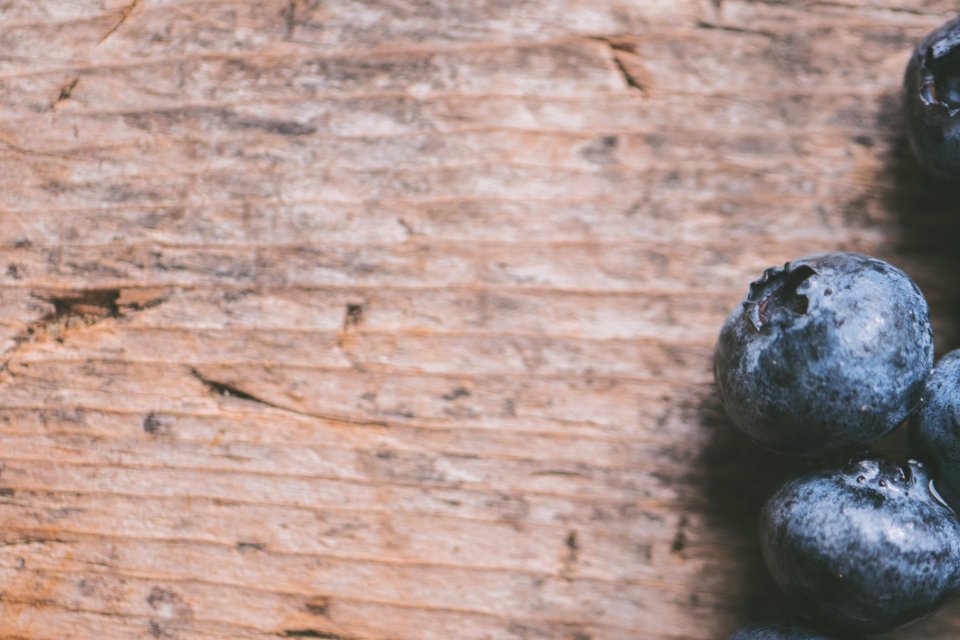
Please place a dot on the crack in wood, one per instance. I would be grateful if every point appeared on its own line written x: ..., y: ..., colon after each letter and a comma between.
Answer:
x: 628, y: 77
x: 124, y: 14
x: 232, y: 391
x: 228, y: 390
x: 71, y: 310
x: 619, y: 48
x: 74, y: 310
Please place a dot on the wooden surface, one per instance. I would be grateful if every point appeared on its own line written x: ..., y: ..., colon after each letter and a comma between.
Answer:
x: 393, y: 319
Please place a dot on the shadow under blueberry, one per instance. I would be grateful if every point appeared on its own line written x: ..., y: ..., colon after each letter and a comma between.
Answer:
x: 926, y: 240
x: 738, y: 478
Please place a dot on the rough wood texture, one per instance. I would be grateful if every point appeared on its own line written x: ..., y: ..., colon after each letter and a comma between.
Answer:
x: 393, y: 319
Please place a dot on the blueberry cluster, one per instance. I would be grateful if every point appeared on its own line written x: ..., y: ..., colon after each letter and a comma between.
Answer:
x: 825, y: 357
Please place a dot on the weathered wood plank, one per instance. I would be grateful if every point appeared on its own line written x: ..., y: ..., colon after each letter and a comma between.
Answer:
x: 394, y: 319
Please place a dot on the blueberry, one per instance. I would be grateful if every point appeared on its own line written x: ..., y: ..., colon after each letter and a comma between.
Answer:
x: 778, y: 631
x: 932, y: 85
x: 864, y: 549
x: 936, y: 426
x: 827, y: 354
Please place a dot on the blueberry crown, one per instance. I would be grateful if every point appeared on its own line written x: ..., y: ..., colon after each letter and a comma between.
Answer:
x: 777, y: 296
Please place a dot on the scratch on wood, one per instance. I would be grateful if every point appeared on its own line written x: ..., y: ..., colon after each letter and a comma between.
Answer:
x: 65, y: 92
x: 124, y: 14
x: 407, y: 227
x: 31, y: 152
x: 703, y: 24
x: 27, y: 541
x: 560, y: 473
x: 833, y: 4
x: 313, y: 633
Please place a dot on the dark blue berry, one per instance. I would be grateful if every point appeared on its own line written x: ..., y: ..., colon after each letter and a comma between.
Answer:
x: 778, y: 631
x: 932, y: 86
x: 827, y: 354
x: 863, y: 549
x: 936, y: 426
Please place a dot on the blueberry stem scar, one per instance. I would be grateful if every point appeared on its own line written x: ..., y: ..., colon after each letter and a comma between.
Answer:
x: 776, y: 290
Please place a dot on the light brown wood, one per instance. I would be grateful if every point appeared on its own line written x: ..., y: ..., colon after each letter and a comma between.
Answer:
x: 393, y: 319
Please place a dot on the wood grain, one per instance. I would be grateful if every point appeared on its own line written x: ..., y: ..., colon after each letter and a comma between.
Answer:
x: 393, y: 320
